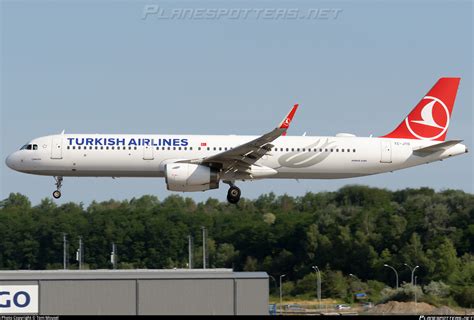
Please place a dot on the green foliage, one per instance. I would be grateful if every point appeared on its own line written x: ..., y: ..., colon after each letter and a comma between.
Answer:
x: 465, y: 297
x: 437, y: 289
x: 405, y: 293
x: 335, y: 285
x: 355, y: 230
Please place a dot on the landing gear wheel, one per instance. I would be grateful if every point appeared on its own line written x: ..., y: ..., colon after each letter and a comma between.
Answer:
x: 58, y: 183
x: 233, y: 195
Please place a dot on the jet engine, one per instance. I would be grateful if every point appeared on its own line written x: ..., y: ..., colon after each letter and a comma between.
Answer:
x: 190, y: 177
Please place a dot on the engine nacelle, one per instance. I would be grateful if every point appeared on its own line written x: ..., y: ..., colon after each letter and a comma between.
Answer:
x: 190, y: 177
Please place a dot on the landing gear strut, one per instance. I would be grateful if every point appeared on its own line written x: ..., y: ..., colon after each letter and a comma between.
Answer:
x: 233, y: 195
x: 59, y: 183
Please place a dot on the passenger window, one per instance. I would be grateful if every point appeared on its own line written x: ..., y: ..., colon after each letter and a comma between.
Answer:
x: 353, y: 150
x: 179, y: 148
x: 214, y: 148
x: 298, y: 149
x: 208, y: 148
x: 101, y: 148
x: 342, y: 150
x: 199, y: 148
x: 96, y: 147
x: 337, y: 150
x: 292, y: 149
x: 135, y: 148
x: 190, y: 148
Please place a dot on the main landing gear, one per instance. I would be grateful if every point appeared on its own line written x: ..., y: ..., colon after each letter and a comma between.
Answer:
x: 233, y: 195
x: 59, y: 183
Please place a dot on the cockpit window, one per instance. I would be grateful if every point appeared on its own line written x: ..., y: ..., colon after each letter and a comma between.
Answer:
x: 29, y: 147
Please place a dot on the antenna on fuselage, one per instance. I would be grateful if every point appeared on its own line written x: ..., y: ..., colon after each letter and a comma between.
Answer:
x: 62, y: 132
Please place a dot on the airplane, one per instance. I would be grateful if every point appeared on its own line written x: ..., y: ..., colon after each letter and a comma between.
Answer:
x: 200, y: 162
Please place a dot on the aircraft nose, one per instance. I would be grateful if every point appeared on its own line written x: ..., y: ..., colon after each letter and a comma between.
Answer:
x: 10, y: 161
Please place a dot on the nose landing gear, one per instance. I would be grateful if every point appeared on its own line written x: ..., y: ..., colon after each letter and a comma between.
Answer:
x: 59, y: 183
x: 233, y: 195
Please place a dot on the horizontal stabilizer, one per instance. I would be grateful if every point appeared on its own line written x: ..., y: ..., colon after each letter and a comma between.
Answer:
x: 437, y: 147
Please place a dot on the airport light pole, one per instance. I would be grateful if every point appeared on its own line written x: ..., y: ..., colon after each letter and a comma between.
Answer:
x: 190, y: 251
x: 79, y: 253
x: 412, y: 271
x: 64, y: 251
x: 396, y: 273
x: 318, y: 292
x: 203, y: 247
x: 281, y: 295
x: 113, y: 256
x: 273, y: 280
x: 355, y: 277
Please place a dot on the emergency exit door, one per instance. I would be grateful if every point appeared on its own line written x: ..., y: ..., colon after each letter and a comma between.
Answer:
x: 386, y: 151
x: 148, y: 153
x: 57, y: 147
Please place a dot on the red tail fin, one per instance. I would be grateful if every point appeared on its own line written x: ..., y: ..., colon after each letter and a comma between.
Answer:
x: 429, y: 120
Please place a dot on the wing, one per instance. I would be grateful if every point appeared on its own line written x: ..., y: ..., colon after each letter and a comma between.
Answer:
x: 243, y: 156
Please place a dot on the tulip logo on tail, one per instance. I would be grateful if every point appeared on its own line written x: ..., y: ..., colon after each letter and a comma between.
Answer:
x: 434, y: 121
x: 429, y: 120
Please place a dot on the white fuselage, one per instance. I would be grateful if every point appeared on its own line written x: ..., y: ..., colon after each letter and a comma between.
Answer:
x: 292, y: 157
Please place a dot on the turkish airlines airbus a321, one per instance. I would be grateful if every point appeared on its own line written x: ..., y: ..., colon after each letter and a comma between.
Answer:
x: 200, y: 162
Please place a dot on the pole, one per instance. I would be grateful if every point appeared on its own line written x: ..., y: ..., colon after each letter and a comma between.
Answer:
x: 113, y: 257
x: 274, y: 280
x: 412, y: 274
x: 415, y: 289
x: 64, y: 251
x: 190, y: 252
x: 203, y: 247
x: 415, y: 295
x: 319, y: 285
x: 80, y: 252
x: 412, y: 271
x: 355, y: 277
x: 396, y: 273
x: 281, y: 295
